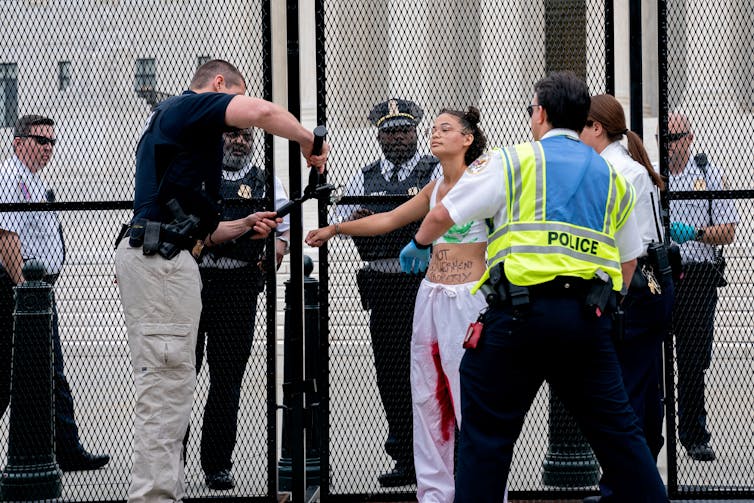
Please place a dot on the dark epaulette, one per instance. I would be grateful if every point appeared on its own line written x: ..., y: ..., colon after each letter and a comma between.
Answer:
x: 701, y: 160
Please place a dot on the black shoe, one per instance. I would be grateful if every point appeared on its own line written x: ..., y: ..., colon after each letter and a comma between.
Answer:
x: 220, y: 481
x: 701, y: 452
x: 401, y: 476
x: 82, y: 461
x: 592, y: 499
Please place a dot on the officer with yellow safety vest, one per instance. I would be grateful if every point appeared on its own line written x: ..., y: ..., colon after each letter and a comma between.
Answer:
x: 562, y: 244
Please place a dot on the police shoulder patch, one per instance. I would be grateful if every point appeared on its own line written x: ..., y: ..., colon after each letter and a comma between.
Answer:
x: 479, y: 164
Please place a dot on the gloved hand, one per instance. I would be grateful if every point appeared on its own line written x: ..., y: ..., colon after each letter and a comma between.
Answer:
x: 681, y: 232
x: 413, y: 258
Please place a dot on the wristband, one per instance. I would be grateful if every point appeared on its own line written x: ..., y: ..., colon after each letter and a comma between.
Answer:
x: 419, y: 246
x: 699, y: 234
x: 337, y: 228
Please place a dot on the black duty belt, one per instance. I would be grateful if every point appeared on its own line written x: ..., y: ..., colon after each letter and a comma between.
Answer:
x: 156, y: 237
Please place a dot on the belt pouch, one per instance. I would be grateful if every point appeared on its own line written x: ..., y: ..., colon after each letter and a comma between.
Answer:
x: 151, y: 238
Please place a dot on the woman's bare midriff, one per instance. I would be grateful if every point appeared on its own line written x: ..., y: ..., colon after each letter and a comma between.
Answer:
x: 454, y: 264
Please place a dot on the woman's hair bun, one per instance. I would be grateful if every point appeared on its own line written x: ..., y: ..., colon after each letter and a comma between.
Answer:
x: 472, y: 116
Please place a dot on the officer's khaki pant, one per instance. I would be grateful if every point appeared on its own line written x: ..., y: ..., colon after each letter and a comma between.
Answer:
x: 162, y: 304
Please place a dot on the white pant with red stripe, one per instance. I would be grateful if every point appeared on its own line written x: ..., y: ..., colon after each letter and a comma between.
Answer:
x: 441, y: 317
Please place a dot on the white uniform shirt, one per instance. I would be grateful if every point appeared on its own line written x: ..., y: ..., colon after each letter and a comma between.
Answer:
x: 355, y: 186
x: 281, y: 197
x: 480, y: 194
x: 695, y: 212
x: 38, y: 231
x: 646, y: 211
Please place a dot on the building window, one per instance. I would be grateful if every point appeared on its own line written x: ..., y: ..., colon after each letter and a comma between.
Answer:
x: 146, y: 76
x: 201, y: 60
x: 8, y: 94
x: 64, y: 74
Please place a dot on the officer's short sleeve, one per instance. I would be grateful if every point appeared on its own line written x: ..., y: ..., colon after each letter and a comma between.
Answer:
x: 723, y: 210
x: 628, y: 239
x: 479, y: 194
x: 281, y: 197
x: 198, y: 113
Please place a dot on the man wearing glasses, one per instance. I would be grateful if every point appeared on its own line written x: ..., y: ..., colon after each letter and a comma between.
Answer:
x: 700, y: 227
x: 35, y: 234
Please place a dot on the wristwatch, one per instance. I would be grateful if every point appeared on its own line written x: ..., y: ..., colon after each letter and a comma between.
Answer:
x: 699, y: 234
x: 287, y: 242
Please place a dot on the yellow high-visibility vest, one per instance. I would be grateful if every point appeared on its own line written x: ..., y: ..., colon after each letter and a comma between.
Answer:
x: 564, y: 205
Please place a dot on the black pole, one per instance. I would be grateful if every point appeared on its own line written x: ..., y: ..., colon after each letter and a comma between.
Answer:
x: 323, y: 351
x: 609, y: 47
x: 635, y: 60
x: 311, y: 341
x: 31, y: 473
x: 294, y: 388
x: 271, y: 265
x: 662, y: 129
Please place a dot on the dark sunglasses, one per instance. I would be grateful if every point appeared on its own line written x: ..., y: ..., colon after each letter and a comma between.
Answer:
x: 674, y: 137
x: 41, y: 140
x: 530, y: 109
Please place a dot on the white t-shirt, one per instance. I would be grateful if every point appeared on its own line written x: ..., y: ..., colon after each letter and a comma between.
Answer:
x: 38, y: 231
x: 479, y: 194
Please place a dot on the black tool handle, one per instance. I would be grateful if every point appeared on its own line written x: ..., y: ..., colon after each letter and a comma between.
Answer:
x: 319, y: 138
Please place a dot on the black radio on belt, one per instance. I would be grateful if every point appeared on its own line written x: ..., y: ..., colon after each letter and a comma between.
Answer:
x: 657, y: 253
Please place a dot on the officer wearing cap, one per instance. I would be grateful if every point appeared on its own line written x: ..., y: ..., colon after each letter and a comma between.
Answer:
x: 384, y: 289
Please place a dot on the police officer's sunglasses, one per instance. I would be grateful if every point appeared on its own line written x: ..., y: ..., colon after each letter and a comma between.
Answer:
x: 673, y: 137
x: 40, y: 140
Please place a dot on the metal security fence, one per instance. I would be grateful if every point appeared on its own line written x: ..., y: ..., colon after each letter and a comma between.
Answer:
x: 437, y: 54
x: 97, y: 67
x: 706, y: 111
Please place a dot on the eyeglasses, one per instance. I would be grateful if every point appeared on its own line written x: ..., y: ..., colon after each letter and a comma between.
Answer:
x: 674, y: 137
x: 530, y: 109
x: 443, y: 130
x: 40, y: 140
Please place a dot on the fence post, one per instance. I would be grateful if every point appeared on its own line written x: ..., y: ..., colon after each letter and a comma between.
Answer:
x: 312, y: 416
x: 569, y: 461
x: 31, y: 472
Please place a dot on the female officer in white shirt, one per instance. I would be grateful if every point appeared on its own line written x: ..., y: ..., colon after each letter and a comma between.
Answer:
x: 648, y: 304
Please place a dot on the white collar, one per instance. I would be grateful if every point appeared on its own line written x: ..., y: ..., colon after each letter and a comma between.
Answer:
x: 387, y: 167
x: 570, y: 133
x: 232, y: 176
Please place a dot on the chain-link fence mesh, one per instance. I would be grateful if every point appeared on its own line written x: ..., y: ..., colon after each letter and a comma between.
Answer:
x: 96, y: 68
x: 709, y: 72
x: 437, y: 54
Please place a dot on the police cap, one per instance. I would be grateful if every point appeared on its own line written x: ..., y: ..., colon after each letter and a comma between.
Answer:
x: 395, y: 112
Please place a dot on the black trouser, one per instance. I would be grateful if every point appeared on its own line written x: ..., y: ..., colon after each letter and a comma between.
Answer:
x: 554, y: 341
x: 693, y: 326
x: 229, y: 303
x: 647, y: 322
x: 391, y: 297
x: 66, y: 432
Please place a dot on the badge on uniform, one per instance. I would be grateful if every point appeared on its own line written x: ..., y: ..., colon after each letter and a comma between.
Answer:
x: 244, y: 191
x: 700, y: 184
x: 413, y: 191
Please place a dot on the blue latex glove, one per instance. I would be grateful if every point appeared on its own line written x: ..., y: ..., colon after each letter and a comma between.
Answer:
x: 681, y: 232
x: 414, y: 259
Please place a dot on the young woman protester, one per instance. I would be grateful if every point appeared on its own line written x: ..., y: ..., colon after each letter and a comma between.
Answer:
x: 444, y: 305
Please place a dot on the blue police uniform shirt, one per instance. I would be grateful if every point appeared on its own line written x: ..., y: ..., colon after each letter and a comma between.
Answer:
x: 179, y: 154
